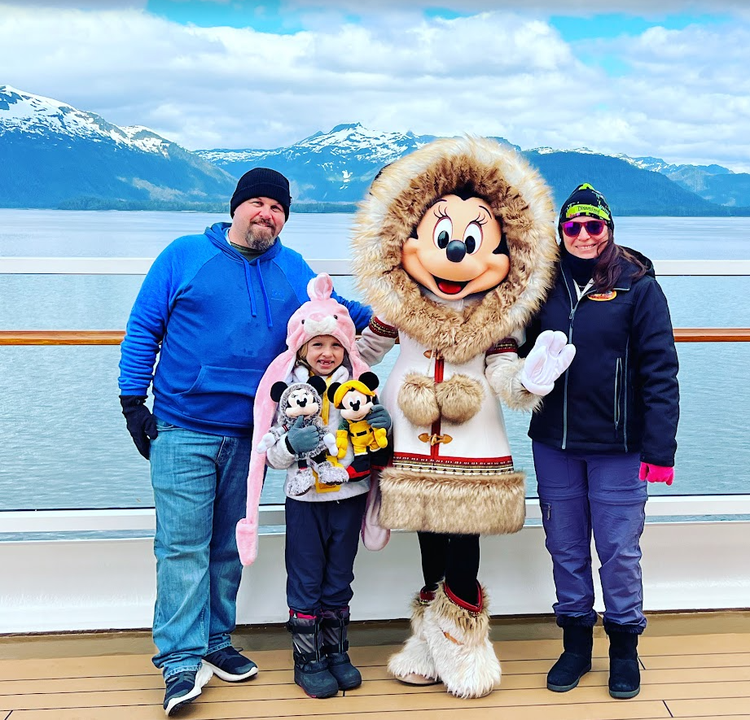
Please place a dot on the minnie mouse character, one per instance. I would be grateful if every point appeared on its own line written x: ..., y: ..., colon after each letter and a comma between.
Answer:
x: 454, y: 248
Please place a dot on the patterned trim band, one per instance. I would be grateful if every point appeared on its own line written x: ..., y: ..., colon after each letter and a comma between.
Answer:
x: 383, y: 329
x: 504, y: 346
x: 467, y: 467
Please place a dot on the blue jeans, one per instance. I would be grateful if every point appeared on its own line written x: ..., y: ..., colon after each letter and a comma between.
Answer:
x: 200, y: 486
x: 599, y: 493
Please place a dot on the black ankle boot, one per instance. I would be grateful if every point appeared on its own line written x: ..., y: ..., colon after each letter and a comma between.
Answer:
x: 624, y: 673
x: 311, y: 671
x: 335, y: 646
x: 575, y: 662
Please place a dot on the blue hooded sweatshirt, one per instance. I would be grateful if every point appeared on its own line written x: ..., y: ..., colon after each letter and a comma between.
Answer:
x: 216, y: 321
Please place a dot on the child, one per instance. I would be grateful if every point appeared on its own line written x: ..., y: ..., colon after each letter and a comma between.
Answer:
x: 322, y: 536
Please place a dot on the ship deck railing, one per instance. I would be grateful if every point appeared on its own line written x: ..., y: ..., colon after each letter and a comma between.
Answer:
x: 67, y: 583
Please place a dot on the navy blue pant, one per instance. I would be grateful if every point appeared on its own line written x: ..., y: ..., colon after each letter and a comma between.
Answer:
x: 599, y: 493
x: 322, y: 539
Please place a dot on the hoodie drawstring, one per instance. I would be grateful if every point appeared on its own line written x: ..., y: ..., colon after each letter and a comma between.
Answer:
x: 251, y: 295
x: 249, y: 286
x: 266, y: 302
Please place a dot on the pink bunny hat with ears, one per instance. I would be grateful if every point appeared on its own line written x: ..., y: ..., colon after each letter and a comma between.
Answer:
x: 321, y: 315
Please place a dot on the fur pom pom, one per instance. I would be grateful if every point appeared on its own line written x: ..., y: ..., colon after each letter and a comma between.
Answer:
x: 417, y: 400
x: 459, y: 398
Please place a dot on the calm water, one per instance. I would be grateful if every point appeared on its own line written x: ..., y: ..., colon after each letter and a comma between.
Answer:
x: 64, y: 443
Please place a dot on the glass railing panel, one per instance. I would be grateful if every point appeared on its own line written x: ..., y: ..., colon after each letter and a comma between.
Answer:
x: 65, y: 443
x: 711, y: 301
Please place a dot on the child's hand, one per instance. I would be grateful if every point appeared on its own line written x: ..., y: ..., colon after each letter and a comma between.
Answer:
x: 379, y: 417
x: 301, y: 439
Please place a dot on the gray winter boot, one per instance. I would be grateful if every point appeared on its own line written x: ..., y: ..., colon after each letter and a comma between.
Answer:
x: 335, y: 645
x: 311, y: 671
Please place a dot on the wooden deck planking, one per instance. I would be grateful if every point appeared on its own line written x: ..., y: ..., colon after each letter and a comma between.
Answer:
x: 660, y: 651
x: 685, y: 676
x: 279, y: 683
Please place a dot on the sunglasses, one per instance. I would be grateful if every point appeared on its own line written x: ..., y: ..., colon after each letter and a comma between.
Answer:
x: 593, y: 227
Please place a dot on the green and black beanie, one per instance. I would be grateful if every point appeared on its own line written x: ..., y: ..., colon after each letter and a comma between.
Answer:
x: 585, y: 200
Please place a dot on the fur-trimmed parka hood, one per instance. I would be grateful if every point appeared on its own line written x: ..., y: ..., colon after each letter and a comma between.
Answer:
x: 398, y: 199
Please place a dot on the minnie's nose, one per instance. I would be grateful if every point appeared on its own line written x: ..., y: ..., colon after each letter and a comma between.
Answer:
x: 456, y: 251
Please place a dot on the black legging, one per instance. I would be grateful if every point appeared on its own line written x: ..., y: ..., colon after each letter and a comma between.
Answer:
x: 453, y: 557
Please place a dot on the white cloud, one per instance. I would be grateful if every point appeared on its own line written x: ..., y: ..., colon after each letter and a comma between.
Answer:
x: 683, y: 95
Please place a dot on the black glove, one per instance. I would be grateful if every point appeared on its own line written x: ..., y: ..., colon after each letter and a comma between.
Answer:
x: 141, y: 423
x: 301, y: 438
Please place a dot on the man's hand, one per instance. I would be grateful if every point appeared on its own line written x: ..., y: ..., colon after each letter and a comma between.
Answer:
x: 140, y: 422
x: 549, y: 358
x: 379, y: 417
x: 656, y: 473
x: 301, y: 439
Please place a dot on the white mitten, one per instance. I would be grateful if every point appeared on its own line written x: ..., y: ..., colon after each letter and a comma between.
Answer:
x: 267, y: 441
x: 330, y: 443
x: 549, y: 358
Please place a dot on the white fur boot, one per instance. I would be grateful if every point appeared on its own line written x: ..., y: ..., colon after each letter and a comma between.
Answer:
x: 413, y: 664
x: 458, y: 636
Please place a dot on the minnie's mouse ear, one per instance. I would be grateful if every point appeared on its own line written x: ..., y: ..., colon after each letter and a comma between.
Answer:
x: 318, y: 383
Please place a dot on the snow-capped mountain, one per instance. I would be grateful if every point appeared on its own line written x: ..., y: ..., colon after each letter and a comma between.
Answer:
x: 54, y: 155
x: 36, y: 115
x: 712, y: 182
x: 337, y: 166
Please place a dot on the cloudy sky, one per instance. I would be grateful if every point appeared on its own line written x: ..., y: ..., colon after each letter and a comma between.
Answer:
x: 665, y: 78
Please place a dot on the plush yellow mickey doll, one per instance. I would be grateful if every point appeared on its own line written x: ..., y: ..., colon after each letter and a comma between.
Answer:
x: 355, y: 400
x: 454, y: 248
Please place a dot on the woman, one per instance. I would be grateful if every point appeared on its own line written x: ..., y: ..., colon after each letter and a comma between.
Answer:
x: 608, y: 424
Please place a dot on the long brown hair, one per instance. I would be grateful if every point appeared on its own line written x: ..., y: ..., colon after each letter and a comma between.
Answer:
x: 609, y: 269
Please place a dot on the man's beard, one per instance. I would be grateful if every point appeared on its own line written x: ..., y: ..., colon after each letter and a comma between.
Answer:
x: 260, y: 237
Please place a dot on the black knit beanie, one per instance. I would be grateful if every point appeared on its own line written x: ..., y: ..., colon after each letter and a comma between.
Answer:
x: 585, y: 200
x: 262, y: 182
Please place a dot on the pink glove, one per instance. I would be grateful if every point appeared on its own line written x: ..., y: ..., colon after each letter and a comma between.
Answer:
x: 656, y: 473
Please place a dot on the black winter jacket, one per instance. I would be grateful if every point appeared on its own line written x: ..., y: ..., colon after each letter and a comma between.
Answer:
x: 620, y: 393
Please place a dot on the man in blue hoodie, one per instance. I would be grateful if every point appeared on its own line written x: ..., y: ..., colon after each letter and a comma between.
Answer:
x: 214, y: 308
